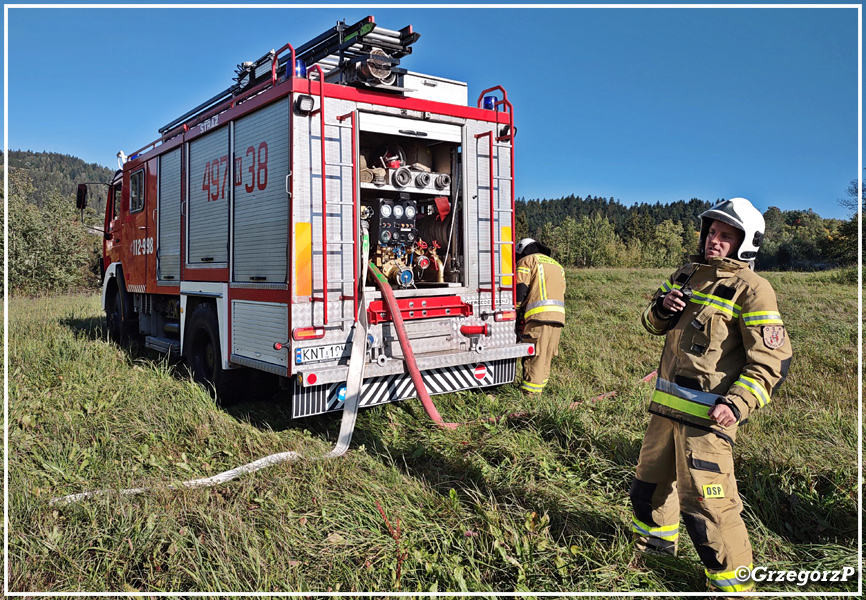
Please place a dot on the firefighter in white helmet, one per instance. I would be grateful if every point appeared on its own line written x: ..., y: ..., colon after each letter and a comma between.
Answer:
x: 726, y: 352
x: 541, y: 308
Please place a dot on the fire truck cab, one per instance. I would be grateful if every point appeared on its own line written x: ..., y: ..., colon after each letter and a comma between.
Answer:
x: 240, y: 238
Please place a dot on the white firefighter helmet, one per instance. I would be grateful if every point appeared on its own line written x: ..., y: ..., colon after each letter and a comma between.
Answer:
x: 523, y: 244
x: 739, y: 213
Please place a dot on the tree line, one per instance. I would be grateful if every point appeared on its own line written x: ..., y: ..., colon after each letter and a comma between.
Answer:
x: 602, y: 232
x: 54, y: 248
x: 52, y: 173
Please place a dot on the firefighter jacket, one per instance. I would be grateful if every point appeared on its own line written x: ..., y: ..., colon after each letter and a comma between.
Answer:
x: 728, y: 345
x: 543, y: 280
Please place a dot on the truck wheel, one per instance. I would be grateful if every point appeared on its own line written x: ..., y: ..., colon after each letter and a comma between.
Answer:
x: 204, y: 357
x: 117, y: 328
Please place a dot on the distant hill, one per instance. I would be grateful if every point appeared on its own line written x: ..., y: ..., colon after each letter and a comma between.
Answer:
x: 60, y: 173
x: 625, y: 219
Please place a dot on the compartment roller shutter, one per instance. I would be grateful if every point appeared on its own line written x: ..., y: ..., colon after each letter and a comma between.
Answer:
x: 209, y: 192
x: 261, y: 206
x: 169, y: 216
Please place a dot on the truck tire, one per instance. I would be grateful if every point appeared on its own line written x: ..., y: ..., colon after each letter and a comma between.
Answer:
x: 118, y: 328
x: 203, y: 355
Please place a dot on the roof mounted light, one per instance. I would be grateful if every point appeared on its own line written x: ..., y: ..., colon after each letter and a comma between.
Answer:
x: 300, y: 68
x: 304, y: 104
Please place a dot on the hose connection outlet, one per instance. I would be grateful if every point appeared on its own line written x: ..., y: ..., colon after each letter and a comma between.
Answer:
x: 471, y: 330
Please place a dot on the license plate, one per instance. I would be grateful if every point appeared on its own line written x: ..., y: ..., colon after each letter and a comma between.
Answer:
x: 320, y: 353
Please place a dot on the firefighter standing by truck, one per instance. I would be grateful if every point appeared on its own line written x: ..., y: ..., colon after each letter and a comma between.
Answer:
x: 541, y: 308
x: 726, y: 352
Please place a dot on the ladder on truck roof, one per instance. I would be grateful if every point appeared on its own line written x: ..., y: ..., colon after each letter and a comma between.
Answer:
x: 344, y: 49
x: 354, y: 43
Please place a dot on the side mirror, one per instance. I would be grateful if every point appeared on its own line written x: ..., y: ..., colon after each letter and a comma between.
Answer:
x: 81, y: 197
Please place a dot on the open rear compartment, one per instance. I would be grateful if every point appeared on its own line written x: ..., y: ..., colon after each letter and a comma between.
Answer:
x: 434, y: 193
x: 410, y: 193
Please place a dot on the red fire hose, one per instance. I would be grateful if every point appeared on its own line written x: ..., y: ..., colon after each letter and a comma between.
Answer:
x: 411, y: 365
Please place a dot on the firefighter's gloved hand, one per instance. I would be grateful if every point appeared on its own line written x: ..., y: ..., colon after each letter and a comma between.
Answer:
x: 722, y: 414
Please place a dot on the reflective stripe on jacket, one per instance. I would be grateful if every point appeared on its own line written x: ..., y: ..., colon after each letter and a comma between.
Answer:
x: 729, y: 342
x: 545, y: 278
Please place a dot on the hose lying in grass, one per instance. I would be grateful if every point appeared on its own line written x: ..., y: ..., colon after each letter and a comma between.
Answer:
x: 350, y: 407
x: 350, y: 410
x: 273, y: 459
x: 354, y: 382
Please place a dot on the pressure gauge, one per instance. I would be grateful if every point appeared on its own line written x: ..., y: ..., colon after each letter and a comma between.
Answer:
x: 410, y: 212
x: 386, y: 210
x: 385, y: 236
x: 398, y: 211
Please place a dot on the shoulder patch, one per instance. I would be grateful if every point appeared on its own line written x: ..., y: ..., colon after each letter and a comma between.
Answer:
x: 774, y: 336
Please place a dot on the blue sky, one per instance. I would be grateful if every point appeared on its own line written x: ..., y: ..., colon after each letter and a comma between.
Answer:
x: 638, y: 104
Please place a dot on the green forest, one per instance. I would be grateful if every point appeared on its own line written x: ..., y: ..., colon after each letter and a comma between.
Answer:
x: 52, y: 250
x: 602, y: 232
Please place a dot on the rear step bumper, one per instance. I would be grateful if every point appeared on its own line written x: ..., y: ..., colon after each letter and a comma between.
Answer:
x: 426, y: 362
x: 317, y: 399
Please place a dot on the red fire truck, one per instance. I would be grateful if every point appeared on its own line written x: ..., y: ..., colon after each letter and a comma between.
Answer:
x: 239, y: 238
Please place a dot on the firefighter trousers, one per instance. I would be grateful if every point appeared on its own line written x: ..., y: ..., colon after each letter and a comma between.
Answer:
x: 689, y: 471
x: 536, y: 368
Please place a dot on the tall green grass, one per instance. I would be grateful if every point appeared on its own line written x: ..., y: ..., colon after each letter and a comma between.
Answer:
x: 536, y: 500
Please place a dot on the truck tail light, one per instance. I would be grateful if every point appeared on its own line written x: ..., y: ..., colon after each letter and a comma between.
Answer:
x: 505, y: 315
x: 307, y: 333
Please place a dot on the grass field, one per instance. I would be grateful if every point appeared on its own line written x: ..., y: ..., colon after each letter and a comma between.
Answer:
x: 537, y: 502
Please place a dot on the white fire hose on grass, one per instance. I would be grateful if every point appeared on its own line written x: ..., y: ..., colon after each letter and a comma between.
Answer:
x: 354, y: 385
